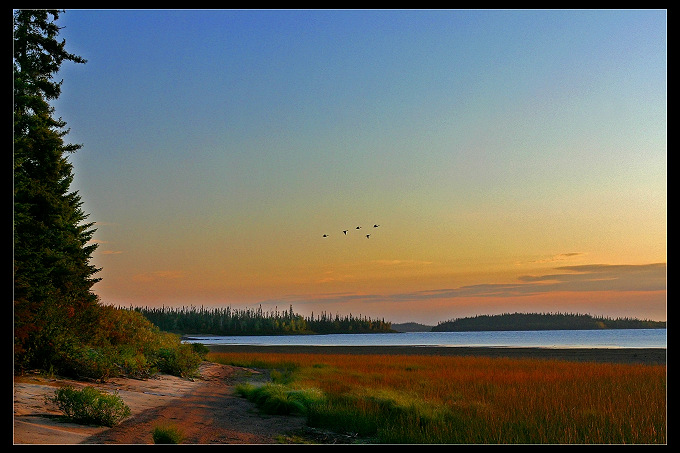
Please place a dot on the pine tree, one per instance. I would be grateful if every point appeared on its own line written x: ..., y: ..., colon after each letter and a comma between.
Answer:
x: 52, y: 250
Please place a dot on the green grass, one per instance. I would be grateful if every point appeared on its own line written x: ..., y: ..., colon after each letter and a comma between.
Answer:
x: 167, y: 435
x: 281, y: 399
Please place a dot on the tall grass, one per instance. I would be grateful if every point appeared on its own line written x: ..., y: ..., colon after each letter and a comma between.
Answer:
x: 436, y: 399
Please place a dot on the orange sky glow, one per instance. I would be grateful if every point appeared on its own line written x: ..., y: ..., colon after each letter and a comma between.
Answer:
x: 515, y: 161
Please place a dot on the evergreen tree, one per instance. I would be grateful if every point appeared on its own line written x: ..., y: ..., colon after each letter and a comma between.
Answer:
x: 52, y: 271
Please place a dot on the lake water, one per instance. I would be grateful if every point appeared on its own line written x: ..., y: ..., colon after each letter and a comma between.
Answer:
x: 610, y: 338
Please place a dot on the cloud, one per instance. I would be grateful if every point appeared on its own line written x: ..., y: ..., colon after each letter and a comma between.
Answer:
x: 331, y: 276
x: 330, y: 298
x: 104, y: 252
x: 401, y: 262
x: 605, y: 277
x: 554, y: 258
x: 597, y: 277
x: 157, y: 275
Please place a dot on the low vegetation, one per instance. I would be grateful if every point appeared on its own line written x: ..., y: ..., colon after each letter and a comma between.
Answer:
x: 281, y: 399
x: 167, y: 435
x: 90, y: 406
x: 118, y: 343
x: 476, y: 400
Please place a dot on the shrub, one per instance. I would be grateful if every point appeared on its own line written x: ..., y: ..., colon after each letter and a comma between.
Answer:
x: 200, y: 349
x: 167, y: 435
x: 105, y: 342
x: 81, y: 361
x: 179, y: 360
x: 90, y: 406
x: 134, y: 364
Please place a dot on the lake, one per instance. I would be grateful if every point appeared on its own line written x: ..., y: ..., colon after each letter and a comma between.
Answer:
x: 607, y: 338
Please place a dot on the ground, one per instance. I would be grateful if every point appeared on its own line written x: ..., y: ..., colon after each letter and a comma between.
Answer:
x: 206, y: 410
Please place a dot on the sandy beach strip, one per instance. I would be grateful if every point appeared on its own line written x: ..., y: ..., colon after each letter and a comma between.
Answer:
x: 650, y: 356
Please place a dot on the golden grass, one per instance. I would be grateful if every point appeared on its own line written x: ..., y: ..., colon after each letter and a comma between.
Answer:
x: 445, y: 399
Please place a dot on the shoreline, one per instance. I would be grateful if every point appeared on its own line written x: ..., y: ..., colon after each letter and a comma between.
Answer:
x: 647, y: 356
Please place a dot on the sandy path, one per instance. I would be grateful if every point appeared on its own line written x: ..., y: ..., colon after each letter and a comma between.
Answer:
x: 207, y: 411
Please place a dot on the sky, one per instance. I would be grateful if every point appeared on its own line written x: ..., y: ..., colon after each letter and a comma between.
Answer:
x: 514, y: 160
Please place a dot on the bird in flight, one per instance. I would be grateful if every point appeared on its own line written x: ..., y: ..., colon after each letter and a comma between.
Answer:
x: 358, y: 228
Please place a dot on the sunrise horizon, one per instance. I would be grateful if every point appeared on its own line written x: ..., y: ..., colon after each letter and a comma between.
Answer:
x: 495, y: 160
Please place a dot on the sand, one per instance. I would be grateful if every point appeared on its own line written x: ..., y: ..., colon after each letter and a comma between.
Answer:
x: 208, y: 411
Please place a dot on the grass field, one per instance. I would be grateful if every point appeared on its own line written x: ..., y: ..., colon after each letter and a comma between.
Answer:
x: 471, y: 400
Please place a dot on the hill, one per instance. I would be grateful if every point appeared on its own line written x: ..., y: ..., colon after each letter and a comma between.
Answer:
x: 411, y: 327
x: 542, y: 321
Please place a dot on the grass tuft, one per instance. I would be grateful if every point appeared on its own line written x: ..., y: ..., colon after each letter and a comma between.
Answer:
x: 280, y: 399
x: 167, y: 435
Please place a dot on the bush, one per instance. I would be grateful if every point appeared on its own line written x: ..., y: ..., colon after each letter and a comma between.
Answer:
x: 134, y: 364
x: 81, y: 361
x: 167, y: 435
x: 179, y: 360
x: 200, y: 349
x: 116, y: 342
x: 90, y: 406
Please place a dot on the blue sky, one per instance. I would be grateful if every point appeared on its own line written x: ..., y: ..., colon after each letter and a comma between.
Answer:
x: 493, y: 147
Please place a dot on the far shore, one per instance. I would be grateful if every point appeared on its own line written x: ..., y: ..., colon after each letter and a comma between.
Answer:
x: 648, y: 356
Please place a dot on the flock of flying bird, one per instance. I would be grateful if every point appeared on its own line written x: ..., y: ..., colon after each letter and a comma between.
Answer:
x: 357, y: 228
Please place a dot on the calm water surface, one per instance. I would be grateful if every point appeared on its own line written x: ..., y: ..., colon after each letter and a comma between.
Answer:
x: 611, y: 338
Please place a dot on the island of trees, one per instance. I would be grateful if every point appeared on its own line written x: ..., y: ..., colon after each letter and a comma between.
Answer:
x: 542, y: 321
x: 249, y: 321
x: 230, y: 321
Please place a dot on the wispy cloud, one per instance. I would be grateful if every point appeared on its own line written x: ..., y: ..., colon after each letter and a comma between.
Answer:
x: 554, y: 258
x: 401, y: 262
x: 104, y: 252
x: 158, y: 275
x: 331, y: 276
x: 597, y: 277
x: 348, y: 276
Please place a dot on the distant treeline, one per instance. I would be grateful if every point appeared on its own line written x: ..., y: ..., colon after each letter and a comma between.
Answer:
x: 543, y: 321
x: 229, y: 321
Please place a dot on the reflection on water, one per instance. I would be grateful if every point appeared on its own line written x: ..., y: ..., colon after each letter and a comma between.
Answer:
x: 609, y: 338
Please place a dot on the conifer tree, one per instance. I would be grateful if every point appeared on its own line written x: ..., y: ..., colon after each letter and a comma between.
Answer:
x: 52, y: 250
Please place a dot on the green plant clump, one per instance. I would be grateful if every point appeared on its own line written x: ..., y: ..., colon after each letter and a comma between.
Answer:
x: 90, y: 406
x: 167, y: 435
x: 280, y: 399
